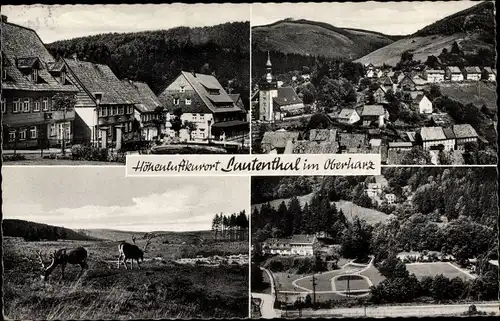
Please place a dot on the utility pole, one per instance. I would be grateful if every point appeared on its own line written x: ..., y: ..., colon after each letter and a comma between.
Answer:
x: 314, y: 291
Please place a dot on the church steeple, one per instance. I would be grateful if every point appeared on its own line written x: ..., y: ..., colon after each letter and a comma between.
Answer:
x: 269, y: 76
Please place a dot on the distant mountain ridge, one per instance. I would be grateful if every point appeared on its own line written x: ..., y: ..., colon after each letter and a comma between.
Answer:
x: 32, y: 231
x: 171, y: 237
x: 315, y: 38
x: 473, y: 29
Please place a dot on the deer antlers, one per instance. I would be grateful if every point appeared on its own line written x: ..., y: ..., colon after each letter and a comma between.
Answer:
x: 148, y: 238
x: 41, y: 259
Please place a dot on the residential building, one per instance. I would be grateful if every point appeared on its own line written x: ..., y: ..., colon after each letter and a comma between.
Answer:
x: 101, y: 95
x: 374, y: 113
x: 149, y: 112
x: 453, y: 73
x: 379, y: 95
x: 203, y: 100
x: 464, y: 133
x: 472, y: 73
x: 434, y: 75
x: 349, y: 142
x: 423, y: 104
x: 407, y: 83
x: 298, y: 244
x: 373, y: 189
x: 287, y: 103
x: 347, y: 116
x: 276, y: 142
x: 30, y: 116
x: 323, y: 135
x: 434, y: 137
x: 491, y: 74
x: 390, y: 198
x: 411, y: 137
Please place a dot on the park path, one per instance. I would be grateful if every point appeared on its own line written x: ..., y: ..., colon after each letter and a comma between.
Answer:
x: 267, y: 310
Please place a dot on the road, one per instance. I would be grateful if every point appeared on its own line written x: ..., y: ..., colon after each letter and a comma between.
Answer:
x: 404, y: 311
x: 267, y: 310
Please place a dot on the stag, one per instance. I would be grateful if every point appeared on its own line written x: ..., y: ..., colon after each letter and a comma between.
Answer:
x: 133, y: 252
x: 62, y: 257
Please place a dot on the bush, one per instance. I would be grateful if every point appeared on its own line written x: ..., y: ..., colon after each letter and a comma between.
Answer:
x: 89, y: 153
x: 11, y: 158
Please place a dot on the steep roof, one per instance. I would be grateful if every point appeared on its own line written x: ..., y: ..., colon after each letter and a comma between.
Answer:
x: 464, y: 131
x: 100, y: 78
x: 435, y: 71
x: 454, y: 69
x: 287, y: 96
x: 278, y: 139
x: 448, y: 132
x: 472, y: 70
x: 345, y: 113
x: 352, y: 140
x: 22, y: 49
x: 202, y: 83
x: 143, y: 95
x: 400, y: 144
x: 419, y: 98
x: 323, y: 135
x: 311, y: 147
x: 302, y: 239
x: 237, y: 100
x: 488, y: 70
x: 432, y: 133
x: 373, y: 110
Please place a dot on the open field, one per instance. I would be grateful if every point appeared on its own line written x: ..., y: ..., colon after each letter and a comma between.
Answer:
x: 477, y: 93
x: 432, y: 269
x: 160, y: 289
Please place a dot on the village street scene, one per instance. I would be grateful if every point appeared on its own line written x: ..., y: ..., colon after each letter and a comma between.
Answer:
x: 410, y: 242
x: 146, y: 250
x: 72, y: 96
x: 425, y: 95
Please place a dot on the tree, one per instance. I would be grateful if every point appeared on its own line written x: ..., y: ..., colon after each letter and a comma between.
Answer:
x: 416, y: 156
x: 455, y: 49
x: 64, y: 102
x: 176, y: 121
x: 257, y: 282
x: 191, y: 127
x: 205, y: 69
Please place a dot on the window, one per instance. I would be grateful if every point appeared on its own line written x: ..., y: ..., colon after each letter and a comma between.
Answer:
x: 4, y: 105
x: 53, y: 131
x: 121, y: 110
x: 45, y: 104
x: 26, y: 105
x: 67, y: 130
x: 188, y: 101
x: 63, y: 77
x: 22, y: 134
x: 130, y: 110
x: 16, y: 105
x: 115, y: 110
x: 34, y: 75
x: 182, y: 89
x: 176, y: 101
x: 202, y: 117
x: 12, y: 135
x: 195, y: 116
x: 37, y: 104
x: 33, y: 132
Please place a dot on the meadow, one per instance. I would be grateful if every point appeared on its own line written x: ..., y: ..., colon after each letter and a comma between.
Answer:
x: 162, y: 288
x: 434, y: 268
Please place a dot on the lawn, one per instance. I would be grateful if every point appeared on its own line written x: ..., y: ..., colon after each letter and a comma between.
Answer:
x: 432, y: 269
x: 356, y: 282
x: 374, y: 275
x: 323, y: 280
x: 161, y: 289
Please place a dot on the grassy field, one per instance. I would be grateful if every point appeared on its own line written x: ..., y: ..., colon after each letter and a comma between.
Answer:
x: 477, y: 93
x: 355, y: 283
x: 432, y: 269
x: 374, y: 275
x: 161, y: 289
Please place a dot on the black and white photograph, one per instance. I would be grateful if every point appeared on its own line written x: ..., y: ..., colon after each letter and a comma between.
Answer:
x: 412, y: 81
x: 87, y: 243
x: 89, y: 84
x: 411, y: 242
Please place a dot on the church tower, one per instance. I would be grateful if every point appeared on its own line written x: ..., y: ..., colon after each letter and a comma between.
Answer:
x: 268, y: 90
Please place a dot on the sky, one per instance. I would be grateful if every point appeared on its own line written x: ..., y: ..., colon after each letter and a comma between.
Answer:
x: 102, y: 197
x: 59, y: 22
x: 392, y: 18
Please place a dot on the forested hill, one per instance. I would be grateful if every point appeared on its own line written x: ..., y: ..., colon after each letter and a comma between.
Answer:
x: 157, y: 57
x: 32, y: 231
x: 313, y: 38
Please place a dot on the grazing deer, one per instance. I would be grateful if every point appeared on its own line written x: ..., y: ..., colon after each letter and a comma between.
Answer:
x: 63, y: 257
x: 132, y: 251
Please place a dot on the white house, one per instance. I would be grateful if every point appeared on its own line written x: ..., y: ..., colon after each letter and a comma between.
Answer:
x: 434, y: 75
x: 435, y: 136
x: 390, y: 198
x: 372, y: 113
x: 298, y: 244
x: 423, y: 104
x: 472, y: 73
x: 453, y: 73
x: 373, y: 189
x: 347, y: 116
x: 491, y: 74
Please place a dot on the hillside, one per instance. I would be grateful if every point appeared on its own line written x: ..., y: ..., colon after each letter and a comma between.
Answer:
x: 157, y: 57
x: 311, y: 38
x: 473, y: 29
x: 35, y: 231
x: 171, y: 237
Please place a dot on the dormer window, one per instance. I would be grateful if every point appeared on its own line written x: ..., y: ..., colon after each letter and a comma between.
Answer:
x: 188, y: 101
x: 176, y: 101
x: 63, y: 77
x: 213, y: 91
x: 34, y: 75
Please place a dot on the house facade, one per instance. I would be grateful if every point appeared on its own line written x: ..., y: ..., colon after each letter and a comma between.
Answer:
x: 30, y: 87
x: 276, y: 142
x: 464, y: 133
x: 379, y: 95
x: 489, y: 74
x: 148, y: 112
x: 299, y: 244
x: 472, y: 73
x: 347, y: 116
x: 453, y: 73
x: 373, y: 189
x: 423, y: 104
x: 103, y: 104
x: 204, y: 102
x: 374, y: 113
x: 434, y: 137
x: 390, y: 198
x: 434, y: 75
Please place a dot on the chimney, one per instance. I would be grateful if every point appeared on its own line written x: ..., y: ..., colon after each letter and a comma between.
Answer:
x: 74, y: 56
x: 4, y: 19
